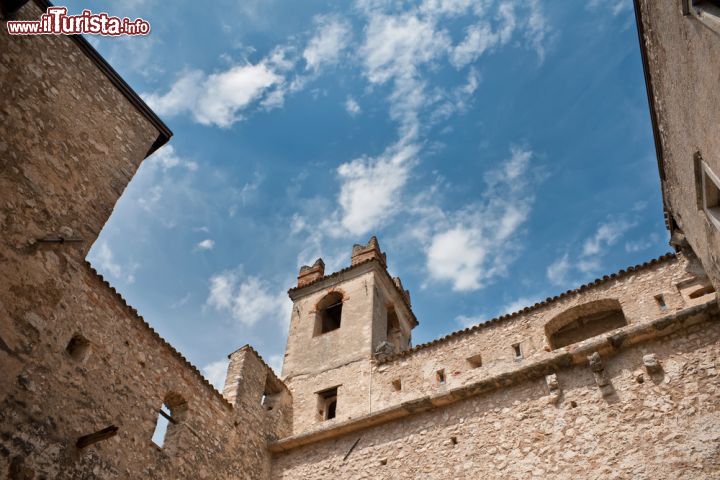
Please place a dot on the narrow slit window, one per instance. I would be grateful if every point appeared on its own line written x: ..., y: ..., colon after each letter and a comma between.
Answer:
x: 440, y: 377
x: 172, y: 412
x: 660, y: 299
x: 517, y: 350
x: 161, y: 426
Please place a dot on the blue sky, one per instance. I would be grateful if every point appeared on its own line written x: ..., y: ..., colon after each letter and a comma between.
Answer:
x: 500, y: 150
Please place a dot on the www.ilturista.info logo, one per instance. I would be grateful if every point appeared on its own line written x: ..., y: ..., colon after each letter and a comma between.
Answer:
x: 56, y: 21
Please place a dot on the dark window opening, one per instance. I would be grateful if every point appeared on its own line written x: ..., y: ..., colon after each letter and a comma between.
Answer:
x: 78, y: 347
x: 517, y: 350
x: 397, y: 385
x: 440, y: 377
x: 329, y: 313
x: 475, y: 361
x: 660, y: 299
x: 327, y: 404
x: 331, y: 410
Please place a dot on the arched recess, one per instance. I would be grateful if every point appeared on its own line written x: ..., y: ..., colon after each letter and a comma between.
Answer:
x: 328, y: 313
x: 584, y: 321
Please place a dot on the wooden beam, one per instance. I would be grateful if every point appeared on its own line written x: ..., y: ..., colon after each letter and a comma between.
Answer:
x: 104, y: 434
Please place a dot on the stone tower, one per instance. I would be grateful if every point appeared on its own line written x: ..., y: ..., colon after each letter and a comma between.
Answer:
x: 340, y: 323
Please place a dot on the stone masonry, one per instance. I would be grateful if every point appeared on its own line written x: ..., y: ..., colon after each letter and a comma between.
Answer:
x: 614, y: 379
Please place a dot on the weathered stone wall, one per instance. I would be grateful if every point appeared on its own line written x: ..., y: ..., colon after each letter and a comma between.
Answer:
x: 417, y: 369
x: 660, y: 426
x: 683, y: 56
x: 49, y: 399
x: 70, y: 141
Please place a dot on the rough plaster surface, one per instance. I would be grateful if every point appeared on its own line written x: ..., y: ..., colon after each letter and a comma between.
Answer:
x: 665, y: 427
x: 684, y: 67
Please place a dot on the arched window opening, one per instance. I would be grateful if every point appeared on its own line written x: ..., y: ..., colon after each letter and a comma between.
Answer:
x: 170, y: 415
x: 394, y: 334
x: 329, y: 313
x: 584, y: 321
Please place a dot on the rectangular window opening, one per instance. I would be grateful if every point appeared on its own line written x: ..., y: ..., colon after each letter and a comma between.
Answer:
x: 327, y: 404
x: 397, y: 385
x: 440, y: 377
x: 660, y: 299
x: 517, y: 350
x: 475, y: 361
x: 331, y: 318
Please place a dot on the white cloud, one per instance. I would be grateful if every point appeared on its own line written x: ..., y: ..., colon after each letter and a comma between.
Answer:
x: 275, y: 362
x: 396, y: 45
x: 181, y: 96
x: 206, y: 244
x: 226, y: 93
x: 104, y: 258
x: 641, y: 244
x: 370, y: 188
x: 330, y: 40
x: 216, y: 99
x: 352, y: 107
x: 395, y: 48
x: 594, y: 248
x: 166, y: 158
x: 479, y: 39
x: 537, y: 29
x: 616, y: 7
x: 466, y: 321
x: 607, y: 234
x: 458, y: 255
x: 518, y: 304
x: 248, y: 300
x: 479, y: 241
x: 215, y: 373
x: 558, y: 270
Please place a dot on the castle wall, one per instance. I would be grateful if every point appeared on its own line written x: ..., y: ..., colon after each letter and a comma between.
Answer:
x: 417, y: 371
x: 70, y: 140
x: 662, y: 428
x: 683, y: 59
x: 49, y: 399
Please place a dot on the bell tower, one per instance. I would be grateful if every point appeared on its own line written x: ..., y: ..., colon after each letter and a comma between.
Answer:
x: 339, y: 324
